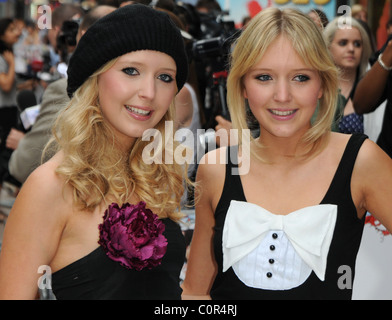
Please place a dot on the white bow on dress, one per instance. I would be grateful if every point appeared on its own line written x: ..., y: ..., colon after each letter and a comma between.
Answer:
x: 309, y: 230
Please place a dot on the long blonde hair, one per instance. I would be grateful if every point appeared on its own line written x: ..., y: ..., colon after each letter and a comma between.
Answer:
x: 99, y: 172
x: 309, y: 43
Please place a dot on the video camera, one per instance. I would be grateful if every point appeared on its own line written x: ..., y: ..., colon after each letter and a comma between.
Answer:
x: 212, y: 54
x: 67, y: 38
x: 218, y: 34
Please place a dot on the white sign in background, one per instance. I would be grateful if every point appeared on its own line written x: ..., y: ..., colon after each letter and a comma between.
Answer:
x: 373, y: 279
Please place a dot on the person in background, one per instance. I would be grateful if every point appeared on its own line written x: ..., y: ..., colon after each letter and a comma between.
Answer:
x: 351, y: 50
x: 168, y: 5
x: 283, y: 225
x: 359, y: 12
x: 28, y: 147
x: 319, y: 18
x: 9, y: 35
x: 66, y: 43
x: 207, y: 6
x: 389, y: 27
x: 187, y: 118
x: 64, y: 12
x: 98, y: 208
x: 374, y: 89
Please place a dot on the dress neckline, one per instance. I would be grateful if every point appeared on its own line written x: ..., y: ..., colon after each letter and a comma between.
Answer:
x: 96, y: 251
x: 338, y: 169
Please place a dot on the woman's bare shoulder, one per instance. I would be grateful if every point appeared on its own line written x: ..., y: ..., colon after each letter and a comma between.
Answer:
x: 213, y: 163
x: 44, y: 186
x: 46, y: 171
x: 211, y: 176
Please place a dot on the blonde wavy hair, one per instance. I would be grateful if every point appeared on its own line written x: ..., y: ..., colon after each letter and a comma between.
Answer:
x: 98, y: 171
x: 330, y: 32
x: 309, y: 43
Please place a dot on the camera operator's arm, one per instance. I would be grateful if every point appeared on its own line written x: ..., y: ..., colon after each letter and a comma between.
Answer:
x: 371, y: 90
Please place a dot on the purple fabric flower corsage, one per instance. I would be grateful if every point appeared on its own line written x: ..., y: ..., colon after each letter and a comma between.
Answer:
x: 133, y: 236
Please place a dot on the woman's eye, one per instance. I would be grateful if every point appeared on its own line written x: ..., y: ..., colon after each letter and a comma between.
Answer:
x: 357, y: 44
x: 301, y: 78
x: 130, y: 71
x: 166, y: 78
x: 342, y: 43
x: 264, y: 77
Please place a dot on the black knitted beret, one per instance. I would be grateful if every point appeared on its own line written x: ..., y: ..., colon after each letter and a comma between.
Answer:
x: 130, y: 28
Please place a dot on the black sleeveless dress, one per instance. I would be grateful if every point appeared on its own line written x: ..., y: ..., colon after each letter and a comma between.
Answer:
x: 96, y: 276
x: 341, y: 257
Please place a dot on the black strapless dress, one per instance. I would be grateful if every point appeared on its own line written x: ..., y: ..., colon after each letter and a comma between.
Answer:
x: 96, y: 276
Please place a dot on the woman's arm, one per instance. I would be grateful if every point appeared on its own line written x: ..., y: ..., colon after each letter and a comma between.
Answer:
x: 31, y: 236
x: 373, y: 173
x: 370, y: 91
x: 201, y: 267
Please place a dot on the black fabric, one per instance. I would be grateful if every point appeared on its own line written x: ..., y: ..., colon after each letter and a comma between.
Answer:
x: 343, y: 250
x: 97, y: 277
x: 8, y: 119
x: 129, y: 28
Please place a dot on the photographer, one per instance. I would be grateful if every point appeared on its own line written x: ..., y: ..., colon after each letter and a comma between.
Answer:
x: 207, y: 6
x: 66, y: 44
x: 27, y: 155
x: 62, y: 13
x: 211, y: 55
x: 9, y: 35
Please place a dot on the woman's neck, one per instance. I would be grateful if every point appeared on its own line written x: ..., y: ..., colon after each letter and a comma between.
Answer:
x: 347, y: 80
x: 283, y: 149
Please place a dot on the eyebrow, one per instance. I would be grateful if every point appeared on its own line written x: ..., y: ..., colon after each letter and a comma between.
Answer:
x: 349, y: 39
x: 295, y: 70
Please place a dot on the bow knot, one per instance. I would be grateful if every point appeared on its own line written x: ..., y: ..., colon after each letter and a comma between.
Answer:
x: 309, y: 230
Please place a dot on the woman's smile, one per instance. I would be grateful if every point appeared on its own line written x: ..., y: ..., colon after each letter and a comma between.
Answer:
x: 139, y: 113
x: 283, y: 115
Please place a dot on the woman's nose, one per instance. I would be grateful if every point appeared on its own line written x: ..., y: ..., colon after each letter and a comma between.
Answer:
x: 147, y: 88
x: 282, y: 91
x: 351, y: 47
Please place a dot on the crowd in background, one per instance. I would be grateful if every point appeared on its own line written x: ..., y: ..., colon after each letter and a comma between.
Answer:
x: 32, y: 58
x: 33, y: 72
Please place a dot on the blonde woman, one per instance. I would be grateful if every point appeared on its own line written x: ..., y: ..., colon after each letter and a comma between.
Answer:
x: 97, y: 216
x: 287, y: 228
x: 350, y: 48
